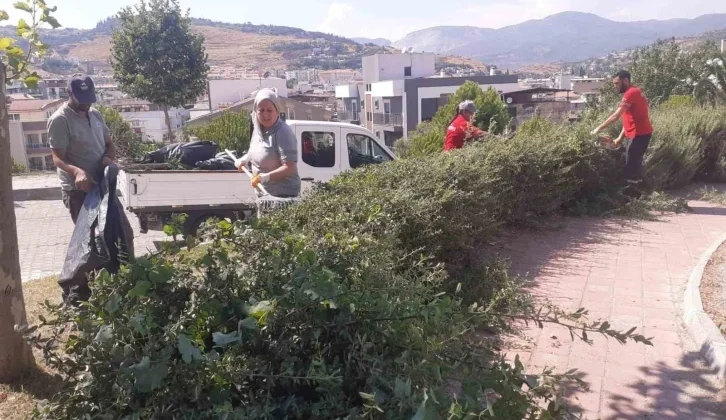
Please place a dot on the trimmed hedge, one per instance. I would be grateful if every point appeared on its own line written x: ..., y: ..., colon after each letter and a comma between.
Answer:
x: 362, y: 301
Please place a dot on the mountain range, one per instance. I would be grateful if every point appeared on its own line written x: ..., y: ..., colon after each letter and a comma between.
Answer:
x: 381, y: 42
x: 563, y: 37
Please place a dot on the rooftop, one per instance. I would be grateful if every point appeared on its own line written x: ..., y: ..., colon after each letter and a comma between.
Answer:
x: 29, y: 105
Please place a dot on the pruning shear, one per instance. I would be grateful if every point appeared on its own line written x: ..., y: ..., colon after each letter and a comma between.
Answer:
x: 247, y: 171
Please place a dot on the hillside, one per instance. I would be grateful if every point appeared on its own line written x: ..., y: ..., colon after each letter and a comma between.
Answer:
x: 568, y: 36
x: 243, y: 45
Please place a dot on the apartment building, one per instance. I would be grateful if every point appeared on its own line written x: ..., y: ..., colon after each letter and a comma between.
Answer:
x: 226, y: 92
x: 28, y: 132
x: 147, y: 119
x: 399, y: 91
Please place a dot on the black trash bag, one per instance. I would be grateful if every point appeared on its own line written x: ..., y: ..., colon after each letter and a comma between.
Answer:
x: 186, y: 153
x: 221, y: 162
x: 102, y: 238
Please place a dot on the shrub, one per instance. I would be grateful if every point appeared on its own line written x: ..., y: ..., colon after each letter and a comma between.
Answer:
x: 18, y: 168
x: 231, y: 130
x: 358, y: 302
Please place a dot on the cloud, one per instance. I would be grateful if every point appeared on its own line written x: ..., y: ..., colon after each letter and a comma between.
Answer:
x: 335, y: 20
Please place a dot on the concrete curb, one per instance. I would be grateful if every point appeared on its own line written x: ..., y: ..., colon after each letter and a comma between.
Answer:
x: 702, y: 328
x: 31, y: 194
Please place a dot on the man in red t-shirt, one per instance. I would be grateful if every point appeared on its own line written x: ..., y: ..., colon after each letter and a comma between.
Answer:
x: 636, y: 125
x: 461, y: 129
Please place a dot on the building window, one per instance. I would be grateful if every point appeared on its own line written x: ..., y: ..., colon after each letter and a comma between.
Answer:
x: 318, y: 149
x: 35, y: 163
x: 407, y: 71
x: 44, y: 138
x: 291, y: 113
x: 48, y: 114
x: 14, y: 117
x: 363, y: 150
x: 49, y: 165
x: 32, y: 140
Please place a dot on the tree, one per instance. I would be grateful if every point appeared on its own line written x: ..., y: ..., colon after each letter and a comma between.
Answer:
x: 155, y: 55
x: 15, y: 355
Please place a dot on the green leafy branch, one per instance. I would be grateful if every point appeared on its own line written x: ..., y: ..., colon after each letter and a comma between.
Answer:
x: 15, y: 60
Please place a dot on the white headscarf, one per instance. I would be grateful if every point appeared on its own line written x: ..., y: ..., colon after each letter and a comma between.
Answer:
x: 269, y: 94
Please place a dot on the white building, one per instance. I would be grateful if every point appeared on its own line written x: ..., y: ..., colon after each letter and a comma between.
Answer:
x: 399, y: 91
x: 148, y: 120
x: 28, y: 132
x: 302, y: 76
x: 231, y: 91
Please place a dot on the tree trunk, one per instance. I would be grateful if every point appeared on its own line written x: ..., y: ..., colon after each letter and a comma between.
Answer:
x: 15, y: 355
x: 168, y: 123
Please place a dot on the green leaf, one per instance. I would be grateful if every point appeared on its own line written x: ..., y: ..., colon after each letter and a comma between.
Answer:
x: 22, y: 28
x: 104, y: 334
x: 6, y: 43
x: 148, y: 377
x: 170, y: 230
x: 249, y: 323
x: 261, y: 310
x: 4, y: 15
x: 31, y: 81
x: 402, y: 388
x: 137, y: 323
x: 223, y: 340
x: 24, y: 6
x: 50, y: 20
x: 161, y: 275
x: 188, y: 350
x: 141, y: 289
x: 112, y: 305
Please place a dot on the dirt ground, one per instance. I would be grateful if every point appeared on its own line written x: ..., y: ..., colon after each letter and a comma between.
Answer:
x: 713, y: 288
x: 18, y: 400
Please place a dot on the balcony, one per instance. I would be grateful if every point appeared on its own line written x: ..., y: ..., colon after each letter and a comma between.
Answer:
x: 389, y: 120
x: 37, y: 147
x: 347, y: 116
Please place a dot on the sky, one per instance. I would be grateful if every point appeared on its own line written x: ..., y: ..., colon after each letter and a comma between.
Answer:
x: 390, y: 19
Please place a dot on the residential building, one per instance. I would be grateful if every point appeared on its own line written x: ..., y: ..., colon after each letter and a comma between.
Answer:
x: 399, y: 91
x: 335, y: 77
x: 147, y: 119
x: 553, y: 104
x: 291, y: 110
x: 587, y: 85
x: 302, y: 76
x: 29, y: 134
x: 225, y: 92
x: 54, y: 88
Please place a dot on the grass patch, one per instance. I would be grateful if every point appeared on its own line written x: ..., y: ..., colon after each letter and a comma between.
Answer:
x: 40, y: 383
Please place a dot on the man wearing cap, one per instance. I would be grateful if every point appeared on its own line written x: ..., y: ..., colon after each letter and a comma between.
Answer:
x: 461, y: 129
x: 80, y: 142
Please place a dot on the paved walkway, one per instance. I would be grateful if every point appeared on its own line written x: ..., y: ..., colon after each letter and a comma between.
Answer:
x: 634, y: 274
x: 44, y: 229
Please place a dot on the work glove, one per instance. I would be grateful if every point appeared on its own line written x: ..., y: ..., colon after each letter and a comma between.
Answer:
x: 259, y: 179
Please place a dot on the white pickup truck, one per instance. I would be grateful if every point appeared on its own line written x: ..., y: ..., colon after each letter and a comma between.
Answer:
x: 325, y: 149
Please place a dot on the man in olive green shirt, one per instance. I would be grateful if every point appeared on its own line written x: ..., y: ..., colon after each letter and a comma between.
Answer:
x: 80, y: 142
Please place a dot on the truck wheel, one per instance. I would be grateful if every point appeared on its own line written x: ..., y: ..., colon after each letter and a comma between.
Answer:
x: 193, y: 223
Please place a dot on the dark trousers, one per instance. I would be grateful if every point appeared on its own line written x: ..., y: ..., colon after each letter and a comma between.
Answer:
x: 73, y: 200
x: 634, y: 158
